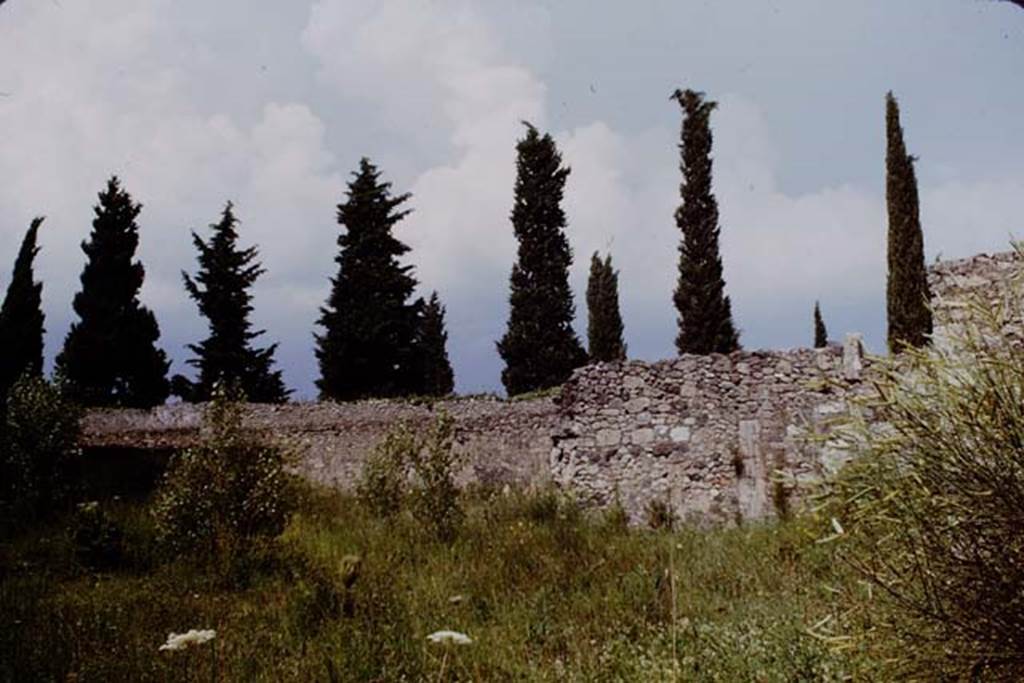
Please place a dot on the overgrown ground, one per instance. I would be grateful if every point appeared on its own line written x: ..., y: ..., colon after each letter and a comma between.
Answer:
x: 545, y: 592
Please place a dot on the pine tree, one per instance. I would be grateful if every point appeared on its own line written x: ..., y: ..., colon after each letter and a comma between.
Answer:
x: 367, y: 348
x: 907, y: 295
x: 540, y: 348
x: 604, y: 324
x: 820, y: 333
x: 220, y: 289
x: 21, y: 319
x: 705, y: 314
x: 436, y: 371
x: 110, y: 356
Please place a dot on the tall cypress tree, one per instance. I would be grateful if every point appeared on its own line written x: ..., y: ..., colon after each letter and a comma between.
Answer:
x: 820, y: 333
x: 436, y: 371
x: 221, y: 289
x: 110, y: 356
x: 21, y: 319
x: 604, y: 323
x: 705, y: 314
x: 368, y: 345
x: 907, y: 295
x: 540, y: 348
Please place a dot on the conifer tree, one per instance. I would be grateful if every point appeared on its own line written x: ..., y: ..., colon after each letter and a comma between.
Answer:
x: 367, y: 348
x: 705, y: 313
x: 604, y: 324
x: 436, y: 371
x: 907, y: 295
x: 21, y: 319
x: 110, y: 356
x: 221, y: 290
x: 820, y: 333
x: 540, y: 348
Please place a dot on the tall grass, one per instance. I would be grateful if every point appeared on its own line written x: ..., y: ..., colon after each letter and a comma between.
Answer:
x: 545, y: 592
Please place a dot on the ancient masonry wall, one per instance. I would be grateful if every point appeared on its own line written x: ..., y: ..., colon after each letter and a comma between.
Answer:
x: 502, y: 441
x: 719, y: 438
x: 704, y: 434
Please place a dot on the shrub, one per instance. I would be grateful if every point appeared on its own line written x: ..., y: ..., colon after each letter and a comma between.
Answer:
x: 930, y: 512
x: 418, y: 473
x: 435, y: 501
x: 383, y: 483
x: 98, y: 539
x: 38, y: 450
x: 228, y: 497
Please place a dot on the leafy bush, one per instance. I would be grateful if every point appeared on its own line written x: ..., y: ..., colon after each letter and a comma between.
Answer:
x: 38, y: 450
x: 383, y: 483
x: 98, y: 540
x: 226, y: 498
x: 418, y: 473
x: 930, y: 513
x: 435, y: 500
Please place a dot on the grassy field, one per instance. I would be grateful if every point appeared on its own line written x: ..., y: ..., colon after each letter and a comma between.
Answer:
x: 545, y: 592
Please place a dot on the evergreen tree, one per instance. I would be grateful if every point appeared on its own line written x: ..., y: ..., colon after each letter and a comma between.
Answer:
x: 604, y: 324
x: 820, y: 333
x: 367, y: 348
x: 436, y: 373
x: 540, y: 348
x: 110, y: 356
x: 21, y: 319
x: 907, y: 295
x: 221, y: 291
x: 705, y: 314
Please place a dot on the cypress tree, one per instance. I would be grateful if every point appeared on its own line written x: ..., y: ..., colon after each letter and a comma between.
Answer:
x: 21, y: 319
x: 367, y: 348
x: 436, y: 373
x: 540, y: 348
x: 820, y: 333
x: 110, y: 356
x: 221, y: 290
x: 907, y: 295
x: 705, y: 314
x: 604, y: 324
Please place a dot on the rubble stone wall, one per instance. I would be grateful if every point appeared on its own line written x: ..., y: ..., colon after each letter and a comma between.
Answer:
x: 502, y: 441
x: 707, y: 435
x: 704, y: 434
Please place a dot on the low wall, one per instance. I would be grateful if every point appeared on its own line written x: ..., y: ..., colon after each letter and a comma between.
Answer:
x: 503, y: 441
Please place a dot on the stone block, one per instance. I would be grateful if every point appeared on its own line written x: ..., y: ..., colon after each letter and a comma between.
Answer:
x: 609, y: 437
x: 680, y: 434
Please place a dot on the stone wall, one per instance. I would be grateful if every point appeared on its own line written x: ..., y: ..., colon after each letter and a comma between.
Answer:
x: 503, y: 441
x: 704, y: 434
x: 986, y: 278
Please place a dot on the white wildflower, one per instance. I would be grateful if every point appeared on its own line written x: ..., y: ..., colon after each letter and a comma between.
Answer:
x: 180, y: 641
x: 454, y: 637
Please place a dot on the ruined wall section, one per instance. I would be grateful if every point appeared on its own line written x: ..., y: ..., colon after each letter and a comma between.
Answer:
x: 705, y: 434
x: 992, y: 280
x: 502, y: 441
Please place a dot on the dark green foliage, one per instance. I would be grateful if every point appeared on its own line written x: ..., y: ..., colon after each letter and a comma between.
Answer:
x: 907, y: 295
x: 705, y: 314
x: 21, y: 319
x: 221, y: 290
x: 229, y: 496
x: 820, y: 333
x: 37, y: 451
x: 435, y: 370
x: 604, y: 324
x: 368, y: 345
x: 109, y: 356
x: 540, y: 348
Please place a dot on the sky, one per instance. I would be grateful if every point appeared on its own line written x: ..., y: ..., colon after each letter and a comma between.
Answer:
x: 271, y: 105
